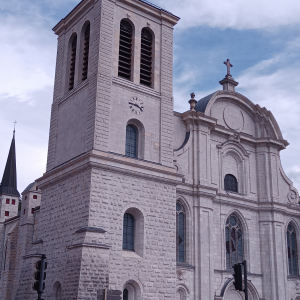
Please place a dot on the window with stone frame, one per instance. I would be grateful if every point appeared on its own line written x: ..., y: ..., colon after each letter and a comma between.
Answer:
x: 125, y: 294
x: 131, y: 141
x: 230, y: 183
x: 181, y: 232
x: 125, y: 50
x: 292, y: 250
x: 234, y: 239
x: 128, y: 232
x: 73, y: 45
x: 146, y: 57
x: 86, y: 50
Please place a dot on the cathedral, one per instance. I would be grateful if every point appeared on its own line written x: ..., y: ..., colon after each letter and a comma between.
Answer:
x: 137, y: 197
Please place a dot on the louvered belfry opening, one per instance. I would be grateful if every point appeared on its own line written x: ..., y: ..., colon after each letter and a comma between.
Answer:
x: 146, y: 58
x: 125, y: 51
x: 72, y: 64
x: 86, y: 48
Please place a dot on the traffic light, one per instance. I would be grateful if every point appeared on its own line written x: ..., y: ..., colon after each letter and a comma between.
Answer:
x: 40, y: 275
x: 238, y: 278
x: 110, y: 294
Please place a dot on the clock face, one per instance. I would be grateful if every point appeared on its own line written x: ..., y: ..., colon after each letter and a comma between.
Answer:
x: 136, y: 105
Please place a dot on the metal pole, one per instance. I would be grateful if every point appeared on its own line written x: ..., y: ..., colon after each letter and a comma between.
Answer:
x: 40, y: 291
x: 245, y: 279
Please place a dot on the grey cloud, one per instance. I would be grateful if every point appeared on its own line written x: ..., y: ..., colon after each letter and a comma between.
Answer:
x: 237, y: 14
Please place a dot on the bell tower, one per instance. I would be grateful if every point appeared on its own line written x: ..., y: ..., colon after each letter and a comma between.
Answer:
x: 127, y: 57
x: 110, y: 152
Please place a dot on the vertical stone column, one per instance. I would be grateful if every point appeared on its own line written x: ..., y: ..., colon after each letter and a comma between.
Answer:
x: 167, y: 96
x: 104, y: 77
x: 56, y: 96
x: 272, y: 256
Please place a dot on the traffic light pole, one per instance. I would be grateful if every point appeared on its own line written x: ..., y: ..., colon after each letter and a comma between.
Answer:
x: 245, y: 280
x: 41, y: 283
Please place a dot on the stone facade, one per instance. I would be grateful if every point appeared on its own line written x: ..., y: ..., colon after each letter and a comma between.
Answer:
x: 90, y: 183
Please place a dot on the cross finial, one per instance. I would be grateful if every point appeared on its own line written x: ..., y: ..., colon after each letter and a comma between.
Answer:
x: 229, y: 65
x: 15, y: 122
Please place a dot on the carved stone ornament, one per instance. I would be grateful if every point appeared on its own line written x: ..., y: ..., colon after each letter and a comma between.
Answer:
x: 297, y: 285
x: 235, y: 137
x: 292, y: 196
x: 180, y: 274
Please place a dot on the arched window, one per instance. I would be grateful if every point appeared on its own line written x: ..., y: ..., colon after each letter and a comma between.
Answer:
x: 58, y: 293
x: 180, y: 224
x: 72, y: 62
x: 234, y: 241
x: 86, y: 49
x: 230, y: 183
x: 125, y: 50
x: 131, y: 141
x: 180, y: 294
x: 128, y: 232
x: 125, y: 294
x: 292, y: 250
x: 146, y: 57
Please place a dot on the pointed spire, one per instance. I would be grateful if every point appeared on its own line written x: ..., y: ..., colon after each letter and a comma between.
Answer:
x: 9, y: 180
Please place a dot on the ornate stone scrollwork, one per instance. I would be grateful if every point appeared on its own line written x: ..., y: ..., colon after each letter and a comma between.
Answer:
x: 292, y: 199
x: 180, y: 274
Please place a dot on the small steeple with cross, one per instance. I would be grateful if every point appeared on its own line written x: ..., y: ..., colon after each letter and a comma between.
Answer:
x: 228, y: 82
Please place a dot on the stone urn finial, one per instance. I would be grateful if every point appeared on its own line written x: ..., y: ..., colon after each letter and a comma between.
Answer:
x: 192, y: 102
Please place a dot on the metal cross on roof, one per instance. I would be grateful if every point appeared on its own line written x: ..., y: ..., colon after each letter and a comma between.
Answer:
x: 229, y: 65
x: 15, y: 122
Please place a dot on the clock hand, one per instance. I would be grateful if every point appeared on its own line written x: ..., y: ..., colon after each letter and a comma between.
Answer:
x: 134, y: 104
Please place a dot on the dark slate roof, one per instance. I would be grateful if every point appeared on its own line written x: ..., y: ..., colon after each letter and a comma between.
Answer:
x: 28, y: 187
x: 9, y: 180
x: 202, y: 103
x: 187, y: 137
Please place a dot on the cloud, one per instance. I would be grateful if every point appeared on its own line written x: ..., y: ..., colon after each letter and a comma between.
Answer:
x: 237, y: 14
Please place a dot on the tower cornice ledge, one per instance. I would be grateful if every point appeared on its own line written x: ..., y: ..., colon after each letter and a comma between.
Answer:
x: 113, y: 162
x: 166, y: 17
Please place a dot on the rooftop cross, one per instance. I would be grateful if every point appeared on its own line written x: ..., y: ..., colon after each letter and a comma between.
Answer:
x: 15, y: 122
x: 229, y: 65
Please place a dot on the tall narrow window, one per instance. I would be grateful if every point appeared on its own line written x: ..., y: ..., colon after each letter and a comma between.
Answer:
x: 131, y: 141
x: 180, y: 232
x: 234, y: 242
x: 125, y: 294
x: 86, y: 48
x: 125, y: 50
x: 72, y: 63
x: 292, y: 250
x: 146, y: 57
x: 230, y: 183
x: 128, y: 232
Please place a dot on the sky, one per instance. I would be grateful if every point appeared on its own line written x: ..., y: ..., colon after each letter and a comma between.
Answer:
x: 260, y: 37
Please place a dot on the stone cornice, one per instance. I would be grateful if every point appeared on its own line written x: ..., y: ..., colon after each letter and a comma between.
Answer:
x: 124, y: 83
x: 150, y: 9
x: 85, y: 5
x: 73, y: 92
x: 90, y: 229
x: 91, y: 245
x: 79, y: 9
x: 112, y: 162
